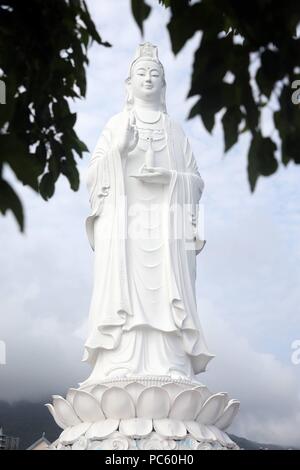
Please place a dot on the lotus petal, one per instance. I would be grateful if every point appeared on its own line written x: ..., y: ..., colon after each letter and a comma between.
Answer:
x: 95, y: 445
x: 202, y: 446
x: 153, y: 402
x: 201, y: 432
x: 212, y: 409
x: 70, y: 435
x: 172, y: 389
x: 64, y: 411
x: 86, y: 388
x: 203, y: 390
x: 102, y: 429
x: 81, y: 444
x: 186, y: 405
x: 134, y: 389
x: 220, y: 435
x: 225, y: 395
x: 70, y: 395
x: 172, y: 428
x: 117, y: 403
x: 136, y: 427
x: 55, y: 417
x: 188, y: 385
x: 87, y: 407
x: 115, y: 442
x: 229, y: 442
x: 228, y: 415
x: 98, y: 391
x: 156, y: 442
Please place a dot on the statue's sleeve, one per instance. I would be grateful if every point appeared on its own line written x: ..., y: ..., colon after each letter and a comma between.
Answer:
x: 97, y: 179
x: 192, y: 170
x: 192, y: 183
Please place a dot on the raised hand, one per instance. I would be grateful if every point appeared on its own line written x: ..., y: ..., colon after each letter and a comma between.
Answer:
x: 128, y: 136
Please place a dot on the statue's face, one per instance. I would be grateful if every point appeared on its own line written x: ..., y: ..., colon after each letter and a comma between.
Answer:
x: 147, y: 80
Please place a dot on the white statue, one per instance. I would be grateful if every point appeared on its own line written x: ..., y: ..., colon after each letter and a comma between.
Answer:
x: 144, y: 189
x: 145, y: 341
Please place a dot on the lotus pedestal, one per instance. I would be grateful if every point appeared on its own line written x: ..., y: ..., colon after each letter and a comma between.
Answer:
x: 149, y: 412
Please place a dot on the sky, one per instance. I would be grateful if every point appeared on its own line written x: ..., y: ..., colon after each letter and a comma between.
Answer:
x: 248, y: 274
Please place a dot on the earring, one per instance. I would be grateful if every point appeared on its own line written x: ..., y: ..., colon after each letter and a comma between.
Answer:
x: 163, y: 99
x: 129, y: 95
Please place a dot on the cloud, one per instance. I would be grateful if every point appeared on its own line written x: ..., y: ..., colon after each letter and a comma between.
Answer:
x: 269, y: 390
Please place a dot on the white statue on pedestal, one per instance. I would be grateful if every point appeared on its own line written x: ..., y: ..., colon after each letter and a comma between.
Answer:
x: 144, y: 189
x: 145, y: 341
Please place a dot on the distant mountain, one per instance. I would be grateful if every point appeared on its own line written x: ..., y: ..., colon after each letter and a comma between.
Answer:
x: 252, y: 445
x: 28, y: 421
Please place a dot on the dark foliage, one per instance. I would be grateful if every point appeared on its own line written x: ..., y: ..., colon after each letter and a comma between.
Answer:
x: 43, y: 58
x: 234, y: 33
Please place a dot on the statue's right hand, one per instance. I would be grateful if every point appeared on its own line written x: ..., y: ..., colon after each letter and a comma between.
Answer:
x: 128, y: 135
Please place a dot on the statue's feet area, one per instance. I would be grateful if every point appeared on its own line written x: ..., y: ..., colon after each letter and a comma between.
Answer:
x: 149, y: 412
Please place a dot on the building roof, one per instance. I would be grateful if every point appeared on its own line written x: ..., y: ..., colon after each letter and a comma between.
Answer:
x: 41, y: 440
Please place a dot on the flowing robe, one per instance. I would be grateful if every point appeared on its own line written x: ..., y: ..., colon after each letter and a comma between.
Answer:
x: 112, y: 312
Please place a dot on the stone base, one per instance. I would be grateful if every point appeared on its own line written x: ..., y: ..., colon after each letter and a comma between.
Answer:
x: 149, y: 412
x: 154, y: 441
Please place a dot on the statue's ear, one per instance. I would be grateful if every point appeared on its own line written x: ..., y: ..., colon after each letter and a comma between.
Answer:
x: 128, y: 86
x: 129, y: 95
x: 163, y: 98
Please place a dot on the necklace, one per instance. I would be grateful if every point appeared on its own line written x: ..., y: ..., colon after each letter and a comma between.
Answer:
x: 147, y: 122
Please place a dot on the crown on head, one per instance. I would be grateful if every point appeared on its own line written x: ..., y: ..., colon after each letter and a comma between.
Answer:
x: 146, y: 51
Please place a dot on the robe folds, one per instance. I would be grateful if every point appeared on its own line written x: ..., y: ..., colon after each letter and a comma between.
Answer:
x: 111, y: 312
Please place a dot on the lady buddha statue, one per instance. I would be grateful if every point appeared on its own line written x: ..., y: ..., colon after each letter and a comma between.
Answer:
x: 144, y: 189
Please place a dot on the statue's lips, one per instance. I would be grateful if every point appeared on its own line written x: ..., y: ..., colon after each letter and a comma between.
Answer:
x: 148, y: 87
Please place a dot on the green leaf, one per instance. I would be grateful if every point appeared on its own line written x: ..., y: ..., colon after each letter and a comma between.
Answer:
x: 165, y: 3
x: 26, y: 166
x: 10, y: 201
x: 140, y: 10
x: 271, y: 71
x: 231, y: 120
x: 46, y: 187
x: 207, y: 116
x: 195, y: 110
x: 213, y: 99
x: 79, y: 146
x: 85, y: 37
x: 81, y: 81
x: 290, y: 148
x: 187, y: 19
x: 261, y: 158
x: 69, y: 169
x: 41, y: 155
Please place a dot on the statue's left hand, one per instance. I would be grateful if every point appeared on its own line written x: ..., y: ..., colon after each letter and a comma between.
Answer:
x: 152, y: 174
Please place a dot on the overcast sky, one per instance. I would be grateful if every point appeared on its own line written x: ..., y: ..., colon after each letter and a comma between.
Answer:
x: 248, y: 274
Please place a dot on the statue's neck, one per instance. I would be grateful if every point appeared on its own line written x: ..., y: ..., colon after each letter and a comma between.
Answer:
x: 152, y: 105
x: 147, y: 110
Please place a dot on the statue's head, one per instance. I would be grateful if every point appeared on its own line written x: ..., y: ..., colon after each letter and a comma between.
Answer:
x: 146, y: 77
